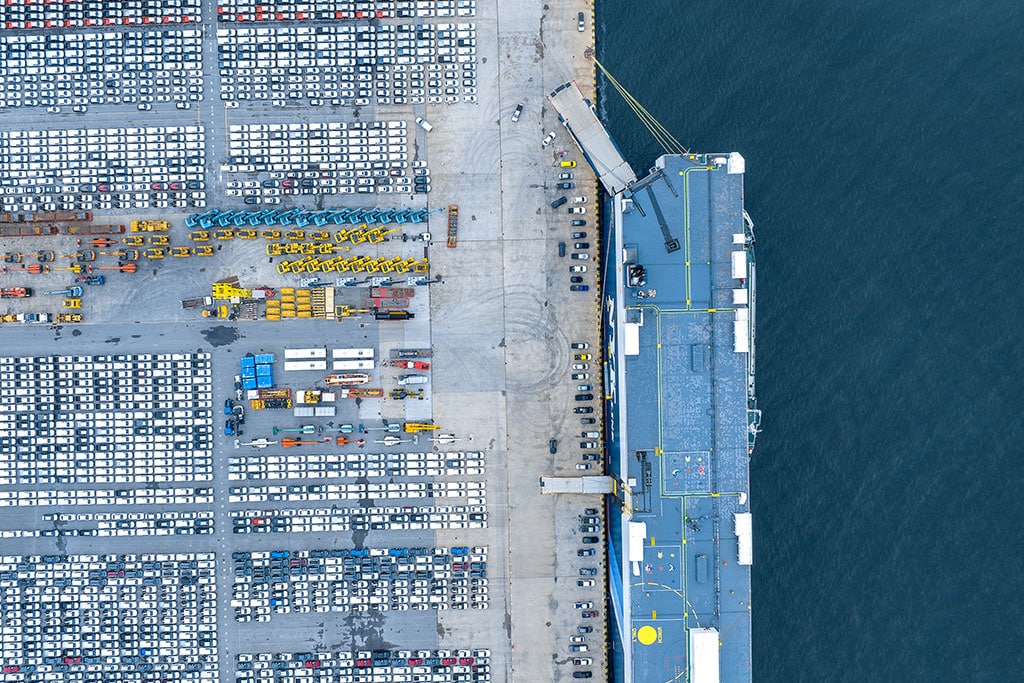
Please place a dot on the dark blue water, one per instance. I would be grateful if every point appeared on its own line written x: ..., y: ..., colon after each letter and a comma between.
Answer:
x: 884, y: 172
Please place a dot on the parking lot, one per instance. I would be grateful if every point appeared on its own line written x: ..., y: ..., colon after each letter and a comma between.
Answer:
x: 497, y: 316
x: 321, y: 158
x: 149, y: 69
x: 269, y: 583
x: 349, y: 65
x: 103, y: 169
x: 113, y: 615
x: 112, y: 419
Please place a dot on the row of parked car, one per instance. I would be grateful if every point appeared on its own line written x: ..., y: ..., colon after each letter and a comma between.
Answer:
x: 174, y: 496
x: 416, y: 666
x: 579, y: 643
x: 31, y: 14
x: 343, y: 519
x: 111, y: 524
x: 329, y: 10
x: 474, y: 490
x: 355, y: 465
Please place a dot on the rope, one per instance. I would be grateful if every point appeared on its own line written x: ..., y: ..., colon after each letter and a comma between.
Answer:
x: 661, y: 134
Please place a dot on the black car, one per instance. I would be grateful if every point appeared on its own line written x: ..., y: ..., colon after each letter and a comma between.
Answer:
x: 581, y: 245
x: 566, y: 186
x: 586, y: 552
x: 579, y: 288
x: 561, y: 248
x: 553, y: 446
x: 587, y: 421
x: 582, y: 410
x: 593, y: 457
x: 584, y: 397
x: 578, y: 222
x: 590, y: 540
x: 578, y: 235
x: 582, y: 674
x: 558, y: 202
x: 575, y: 279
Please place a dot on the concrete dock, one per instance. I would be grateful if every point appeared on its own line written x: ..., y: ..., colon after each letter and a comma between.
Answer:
x: 500, y: 321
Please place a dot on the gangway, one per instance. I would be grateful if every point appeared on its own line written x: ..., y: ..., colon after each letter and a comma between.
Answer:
x: 579, y: 119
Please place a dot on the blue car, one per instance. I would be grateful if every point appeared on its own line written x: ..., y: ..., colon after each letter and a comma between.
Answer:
x: 229, y: 427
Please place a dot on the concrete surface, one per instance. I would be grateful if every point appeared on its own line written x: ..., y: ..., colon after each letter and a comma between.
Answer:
x: 500, y: 322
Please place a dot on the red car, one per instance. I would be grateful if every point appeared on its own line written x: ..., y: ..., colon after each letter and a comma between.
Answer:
x: 589, y: 615
x: 415, y: 662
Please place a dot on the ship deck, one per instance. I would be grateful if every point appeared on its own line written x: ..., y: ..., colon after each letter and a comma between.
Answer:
x: 678, y: 424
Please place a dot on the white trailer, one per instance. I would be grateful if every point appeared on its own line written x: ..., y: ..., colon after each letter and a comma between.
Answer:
x: 351, y: 353
x: 304, y: 354
x: 352, y: 365
x: 300, y: 365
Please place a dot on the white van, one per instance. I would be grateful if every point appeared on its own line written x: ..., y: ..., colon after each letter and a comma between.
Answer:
x: 424, y: 124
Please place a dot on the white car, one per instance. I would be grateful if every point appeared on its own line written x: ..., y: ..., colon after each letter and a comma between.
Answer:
x: 577, y: 269
x: 548, y: 140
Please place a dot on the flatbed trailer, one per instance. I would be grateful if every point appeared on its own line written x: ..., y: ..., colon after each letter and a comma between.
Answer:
x: 93, y: 229
x: 411, y: 353
x: 49, y: 217
x: 453, y: 225
x: 27, y: 230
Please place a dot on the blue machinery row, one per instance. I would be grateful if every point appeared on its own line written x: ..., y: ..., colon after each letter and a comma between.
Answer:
x: 303, y: 217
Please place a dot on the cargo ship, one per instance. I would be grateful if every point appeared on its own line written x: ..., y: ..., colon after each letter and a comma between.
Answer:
x: 680, y: 414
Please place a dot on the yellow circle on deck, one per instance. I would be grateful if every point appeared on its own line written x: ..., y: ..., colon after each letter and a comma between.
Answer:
x: 647, y: 635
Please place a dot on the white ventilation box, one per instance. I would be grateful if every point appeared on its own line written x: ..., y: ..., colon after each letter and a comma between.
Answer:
x: 631, y: 338
x: 741, y: 331
x: 744, y: 532
x: 739, y: 265
x: 704, y: 655
x: 737, y: 164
